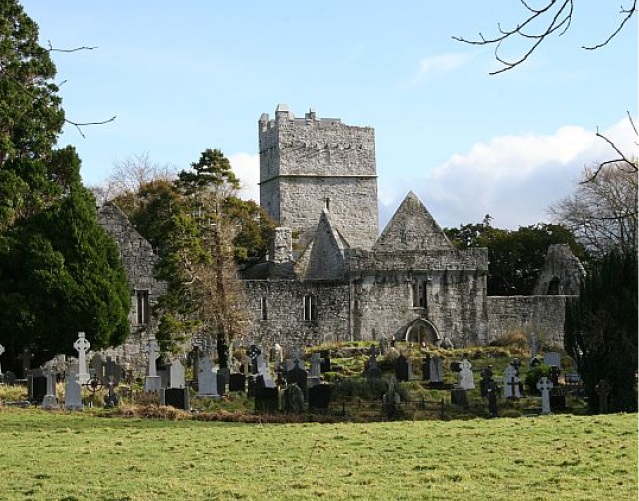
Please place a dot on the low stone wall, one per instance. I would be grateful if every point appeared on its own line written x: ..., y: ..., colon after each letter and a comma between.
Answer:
x: 544, y: 315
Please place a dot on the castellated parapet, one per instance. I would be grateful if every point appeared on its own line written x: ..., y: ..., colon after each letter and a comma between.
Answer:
x: 312, y: 164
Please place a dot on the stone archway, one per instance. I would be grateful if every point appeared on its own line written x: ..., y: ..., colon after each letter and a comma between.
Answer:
x: 422, y: 331
x: 554, y: 287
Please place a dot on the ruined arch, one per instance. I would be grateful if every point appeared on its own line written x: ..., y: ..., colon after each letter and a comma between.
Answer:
x: 421, y: 330
x: 554, y: 287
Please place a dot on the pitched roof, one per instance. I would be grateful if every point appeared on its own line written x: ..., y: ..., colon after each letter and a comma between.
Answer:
x: 412, y: 228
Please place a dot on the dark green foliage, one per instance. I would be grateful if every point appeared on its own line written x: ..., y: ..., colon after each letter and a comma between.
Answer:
x: 60, y: 274
x: 515, y: 257
x: 533, y: 375
x: 601, y: 330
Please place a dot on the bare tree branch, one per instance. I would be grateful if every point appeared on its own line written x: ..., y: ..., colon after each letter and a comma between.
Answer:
x: 553, y: 17
x: 628, y: 13
x: 76, y: 49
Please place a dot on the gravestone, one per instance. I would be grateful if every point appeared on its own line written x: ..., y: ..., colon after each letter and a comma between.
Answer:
x: 36, y: 386
x: 25, y: 357
x: 511, y: 383
x: 436, y: 370
x: 237, y: 382
x: 176, y: 397
x: 114, y: 370
x: 9, y: 378
x: 152, y: 382
x: 96, y: 367
x: 278, y: 354
x: 552, y: 358
x: 82, y: 345
x: 383, y: 346
x: 223, y: 376
x: 73, y: 392
x: 293, y: 399
x: 298, y: 376
x: 458, y: 397
x: 603, y: 389
x: 325, y: 361
x: 426, y: 368
x: 176, y: 375
x: 111, y: 399
x: 1, y: 352
x: 492, y: 392
x: 371, y: 368
x: 544, y: 386
x: 534, y: 345
x: 319, y: 397
x: 466, y: 379
x: 486, y: 379
x: 315, y: 370
x: 206, y: 378
x: 402, y: 371
x: 267, y: 400
x: 253, y: 352
x: 50, y: 400
x: 455, y: 366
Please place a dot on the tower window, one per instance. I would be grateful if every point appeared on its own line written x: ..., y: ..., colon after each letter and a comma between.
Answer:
x: 263, y: 308
x: 327, y: 204
x: 419, y: 294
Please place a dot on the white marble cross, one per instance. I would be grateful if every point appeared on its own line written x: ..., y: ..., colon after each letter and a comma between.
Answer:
x: 544, y: 386
x: 153, y: 350
x: 82, y: 345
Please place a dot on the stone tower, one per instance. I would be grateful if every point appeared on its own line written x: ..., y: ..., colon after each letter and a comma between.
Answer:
x: 312, y: 164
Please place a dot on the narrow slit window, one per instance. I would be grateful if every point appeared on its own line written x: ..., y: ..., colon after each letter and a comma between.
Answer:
x: 263, y: 308
x: 310, y: 308
x: 142, y: 299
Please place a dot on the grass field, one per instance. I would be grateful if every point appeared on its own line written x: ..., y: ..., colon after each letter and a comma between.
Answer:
x: 79, y: 456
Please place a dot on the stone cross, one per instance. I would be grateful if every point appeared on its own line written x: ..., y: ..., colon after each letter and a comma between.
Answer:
x: 511, y: 383
x: 534, y: 345
x: 1, y: 352
x: 153, y: 350
x: 50, y: 400
x: 544, y: 386
x: 315, y: 365
x: 603, y: 389
x: 82, y: 345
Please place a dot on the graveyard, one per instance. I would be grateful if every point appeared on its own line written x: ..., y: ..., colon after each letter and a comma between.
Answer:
x: 357, y: 420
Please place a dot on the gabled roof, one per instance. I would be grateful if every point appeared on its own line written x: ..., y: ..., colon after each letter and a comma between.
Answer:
x: 326, y: 260
x: 412, y: 228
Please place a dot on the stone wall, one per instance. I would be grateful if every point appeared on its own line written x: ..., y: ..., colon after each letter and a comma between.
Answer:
x: 543, y: 314
x: 285, y: 323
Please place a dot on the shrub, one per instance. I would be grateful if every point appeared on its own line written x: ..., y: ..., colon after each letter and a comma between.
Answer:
x: 533, y: 375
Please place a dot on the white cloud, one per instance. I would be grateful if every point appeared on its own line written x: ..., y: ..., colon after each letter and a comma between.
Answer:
x: 444, y: 63
x: 247, y: 168
x: 513, y: 178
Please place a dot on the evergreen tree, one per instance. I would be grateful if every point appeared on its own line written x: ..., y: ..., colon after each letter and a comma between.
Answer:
x: 601, y: 330
x: 59, y: 271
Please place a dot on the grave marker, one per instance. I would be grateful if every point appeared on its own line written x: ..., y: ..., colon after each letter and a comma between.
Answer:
x: 544, y: 386
x: 82, y: 345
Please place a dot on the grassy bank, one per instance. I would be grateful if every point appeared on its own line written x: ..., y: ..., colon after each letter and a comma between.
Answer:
x: 61, y: 456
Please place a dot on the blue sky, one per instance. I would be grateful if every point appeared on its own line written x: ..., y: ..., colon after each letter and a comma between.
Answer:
x: 185, y: 77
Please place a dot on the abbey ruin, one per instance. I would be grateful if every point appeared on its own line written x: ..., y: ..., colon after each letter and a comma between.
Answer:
x: 330, y: 274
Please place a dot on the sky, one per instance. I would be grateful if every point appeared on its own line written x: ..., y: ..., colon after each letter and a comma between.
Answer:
x: 183, y: 77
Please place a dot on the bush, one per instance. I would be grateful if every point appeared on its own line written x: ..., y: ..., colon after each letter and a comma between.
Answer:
x: 533, y: 375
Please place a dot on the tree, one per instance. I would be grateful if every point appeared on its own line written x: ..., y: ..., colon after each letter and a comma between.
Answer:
x: 540, y: 22
x: 515, y: 257
x: 601, y: 330
x: 602, y: 212
x: 59, y: 272
x: 205, y: 295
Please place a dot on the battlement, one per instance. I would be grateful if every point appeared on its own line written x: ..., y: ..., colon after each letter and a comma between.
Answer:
x: 283, y: 114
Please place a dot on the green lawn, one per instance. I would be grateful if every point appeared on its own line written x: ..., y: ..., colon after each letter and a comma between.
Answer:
x: 78, y: 456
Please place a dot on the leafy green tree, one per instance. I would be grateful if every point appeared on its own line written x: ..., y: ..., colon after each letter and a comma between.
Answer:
x: 205, y: 295
x: 601, y: 330
x: 515, y: 257
x: 59, y: 271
